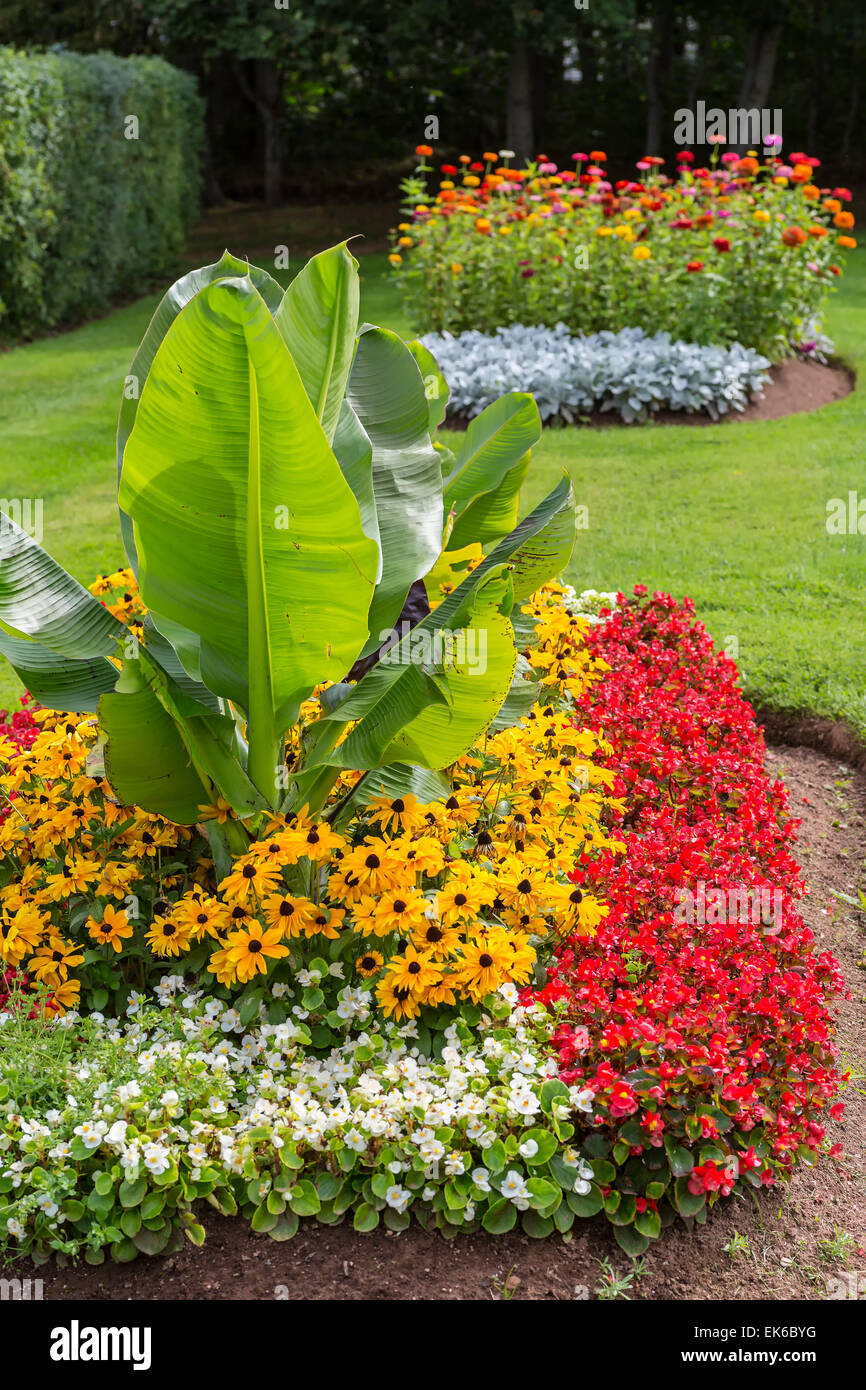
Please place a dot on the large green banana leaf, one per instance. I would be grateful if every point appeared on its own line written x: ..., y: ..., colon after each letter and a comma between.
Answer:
x: 39, y: 600
x: 206, y: 742
x: 58, y: 682
x: 399, y: 691
x: 399, y: 724
x: 146, y: 762
x: 387, y: 393
x: 318, y: 319
x: 524, y: 692
x: 535, y: 551
x: 246, y: 530
x: 354, y: 454
x: 494, y: 514
x: 496, y: 442
x: 435, y: 385
x: 167, y: 310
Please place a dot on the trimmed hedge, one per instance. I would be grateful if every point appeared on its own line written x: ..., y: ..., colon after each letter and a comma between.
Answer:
x: 86, y: 212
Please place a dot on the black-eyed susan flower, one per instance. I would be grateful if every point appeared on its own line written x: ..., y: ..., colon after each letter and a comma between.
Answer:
x: 401, y: 911
x: 250, y: 949
x: 369, y: 963
x: 414, y: 970
x: 112, y: 930
x: 396, y: 1001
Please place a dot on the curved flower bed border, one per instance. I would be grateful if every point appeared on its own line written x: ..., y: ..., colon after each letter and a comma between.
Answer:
x: 703, y: 1032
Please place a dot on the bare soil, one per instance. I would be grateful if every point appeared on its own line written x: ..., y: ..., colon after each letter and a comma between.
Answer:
x: 796, y: 387
x: 797, y: 1238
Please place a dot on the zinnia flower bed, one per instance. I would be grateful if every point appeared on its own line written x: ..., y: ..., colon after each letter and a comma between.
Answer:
x: 741, y: 250
x: 359, y: 1049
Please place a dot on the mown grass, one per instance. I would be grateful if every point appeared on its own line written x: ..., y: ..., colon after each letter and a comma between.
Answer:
x: 733, y: 515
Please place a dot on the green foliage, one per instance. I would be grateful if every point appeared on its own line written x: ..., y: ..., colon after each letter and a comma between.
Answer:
x: 120, y: 1133
x: 86, y: 213
x: 270, y: 561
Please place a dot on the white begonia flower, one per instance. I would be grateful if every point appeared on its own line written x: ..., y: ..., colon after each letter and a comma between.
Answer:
x: 581, y: 1187
x: 217, y: 1106
x: 157, y: 1159
x: 431, y: 1150
x: 355, y: 1140
x: 513, y: 1185
x: 455, y: 1165
x: 469, y: 1211
x: 46, y: 1204
x: 91, y: 1135
x: 583, y: 1100
x: 524, y: 1103
x: 398, y: 1198
x: 481, y: 1179
x: 116, y: 1136
x: 428, y: 1194
x: 14, y: 1227
x: 528, y: 1149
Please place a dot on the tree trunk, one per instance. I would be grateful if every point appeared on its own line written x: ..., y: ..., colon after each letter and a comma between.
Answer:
x: 269, y: 101
x: 658, y: 75
x: 519, y: 134
x: 214, y: 197
x: 817, y: 78
x: 761, y: 52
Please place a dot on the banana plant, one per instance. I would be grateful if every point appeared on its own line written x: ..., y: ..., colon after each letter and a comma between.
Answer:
x: 280, y: 493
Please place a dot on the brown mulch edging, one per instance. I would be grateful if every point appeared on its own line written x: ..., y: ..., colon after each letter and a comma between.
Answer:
x: 797, y: 387
x: 784, y: 1228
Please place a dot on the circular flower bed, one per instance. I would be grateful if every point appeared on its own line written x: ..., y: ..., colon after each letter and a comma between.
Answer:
x: 736, y: 251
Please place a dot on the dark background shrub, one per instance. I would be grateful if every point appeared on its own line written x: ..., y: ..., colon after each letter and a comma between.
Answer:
x: 87, y: 213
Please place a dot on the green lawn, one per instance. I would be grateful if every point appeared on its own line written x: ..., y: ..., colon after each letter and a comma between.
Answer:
x: 733, y: 515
